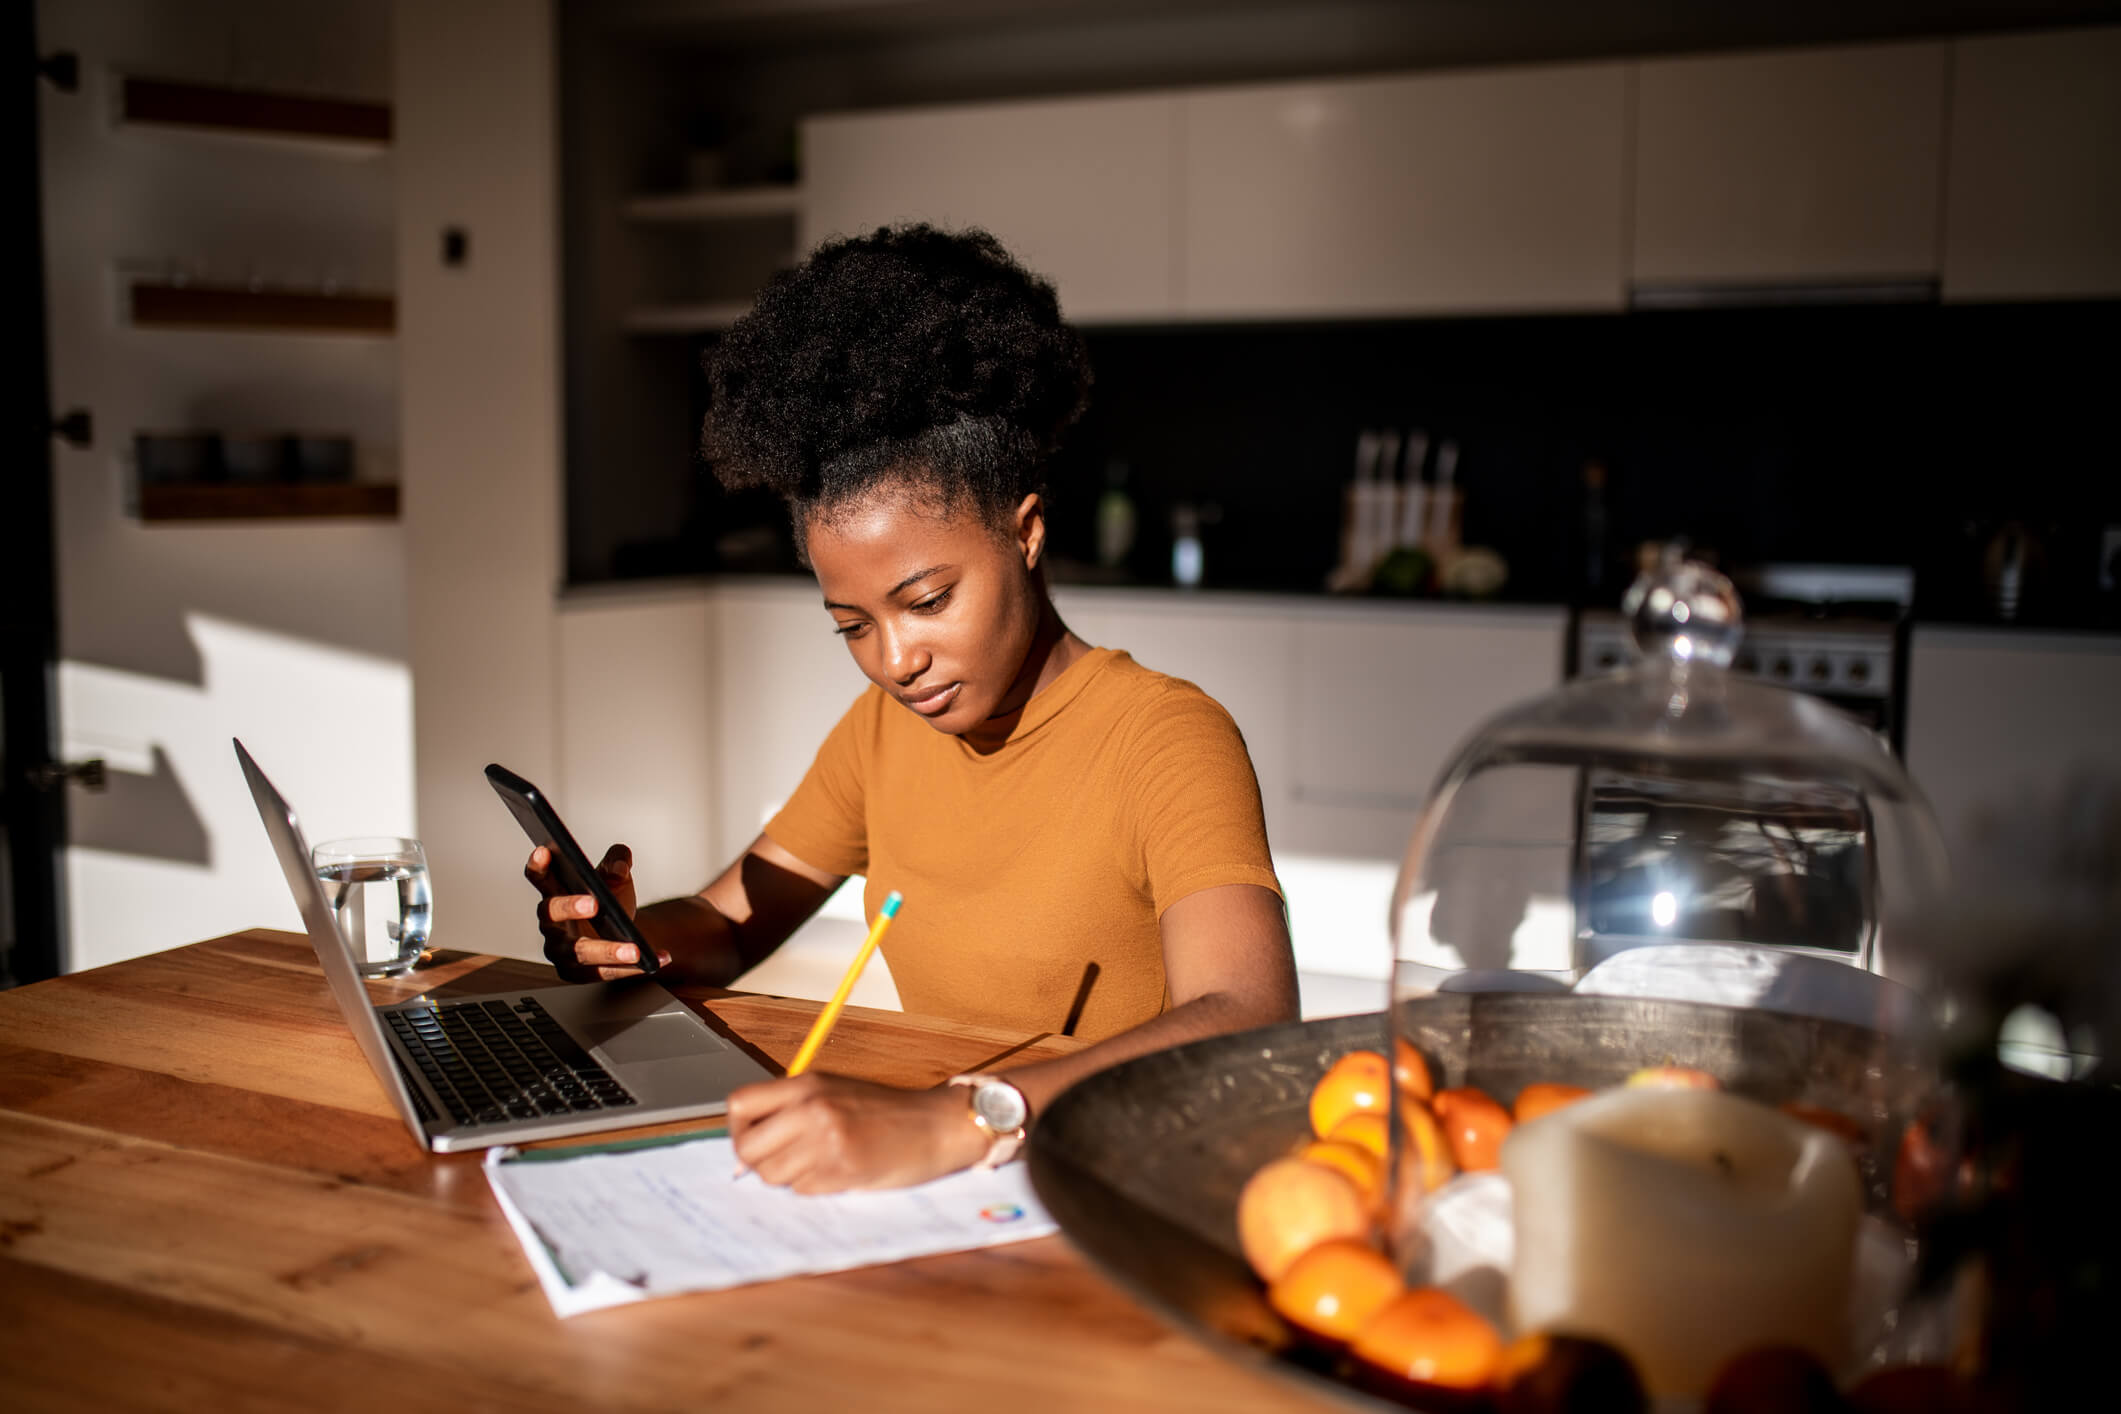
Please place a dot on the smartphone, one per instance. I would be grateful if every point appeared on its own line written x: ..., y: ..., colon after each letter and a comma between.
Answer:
x: 571, y: 867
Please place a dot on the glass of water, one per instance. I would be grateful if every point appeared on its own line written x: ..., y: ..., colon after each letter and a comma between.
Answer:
x: 380, y: 898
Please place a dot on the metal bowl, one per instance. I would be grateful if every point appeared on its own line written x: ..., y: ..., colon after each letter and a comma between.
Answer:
x: 1141, y: 1164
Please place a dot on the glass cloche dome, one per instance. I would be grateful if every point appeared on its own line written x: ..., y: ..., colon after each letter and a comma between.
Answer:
x: 1670, y: 824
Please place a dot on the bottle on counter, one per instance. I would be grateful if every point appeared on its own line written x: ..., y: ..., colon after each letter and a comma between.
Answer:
x: 1116, y: 521
x: 1187, y: 558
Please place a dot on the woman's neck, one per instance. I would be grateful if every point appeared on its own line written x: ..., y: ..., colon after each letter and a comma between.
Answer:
x: 1053, y: 649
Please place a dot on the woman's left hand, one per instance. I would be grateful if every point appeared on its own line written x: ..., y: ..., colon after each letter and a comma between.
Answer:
x: 826, y: 1133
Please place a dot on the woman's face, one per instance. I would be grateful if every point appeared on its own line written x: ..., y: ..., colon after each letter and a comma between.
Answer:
x: 938, y: 608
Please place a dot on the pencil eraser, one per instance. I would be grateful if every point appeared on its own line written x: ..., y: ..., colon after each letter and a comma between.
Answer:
x: 891, y: 902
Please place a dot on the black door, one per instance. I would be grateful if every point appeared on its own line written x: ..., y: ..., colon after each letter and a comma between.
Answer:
x: 32, y: 786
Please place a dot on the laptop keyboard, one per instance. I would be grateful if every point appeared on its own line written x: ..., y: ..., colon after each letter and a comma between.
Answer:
x: 494, y: 1062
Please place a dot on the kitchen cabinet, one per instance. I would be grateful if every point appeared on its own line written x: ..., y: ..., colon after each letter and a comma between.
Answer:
x: 1382, y: 699
x: 2033, y: 190
x: 1808, y: 165
x: 1437, y: 193
x: 1079, y: 190
x: 1995, y: 716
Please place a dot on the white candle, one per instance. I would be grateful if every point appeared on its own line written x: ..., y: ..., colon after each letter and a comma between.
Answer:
x: 1683, y: 1226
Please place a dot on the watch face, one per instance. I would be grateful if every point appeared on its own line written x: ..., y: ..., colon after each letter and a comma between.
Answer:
x: 1001, y: 1105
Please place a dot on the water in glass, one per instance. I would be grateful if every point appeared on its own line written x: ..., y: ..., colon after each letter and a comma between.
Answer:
x: 381, y: 899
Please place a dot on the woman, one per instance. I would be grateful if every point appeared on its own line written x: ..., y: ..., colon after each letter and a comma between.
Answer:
x: 1078, y: 839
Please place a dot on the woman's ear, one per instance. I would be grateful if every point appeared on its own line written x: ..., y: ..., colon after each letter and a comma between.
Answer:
x: 1030, y: 529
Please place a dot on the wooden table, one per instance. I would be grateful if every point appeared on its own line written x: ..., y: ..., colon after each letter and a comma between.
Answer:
x: 206, y: 1203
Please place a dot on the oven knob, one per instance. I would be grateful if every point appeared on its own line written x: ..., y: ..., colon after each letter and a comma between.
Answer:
x: 1822, y: 670
x: 1783, y: 668
x: 1859, y: 671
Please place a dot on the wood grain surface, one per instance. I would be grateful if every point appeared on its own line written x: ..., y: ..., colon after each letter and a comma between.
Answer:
x: 206, y: 1203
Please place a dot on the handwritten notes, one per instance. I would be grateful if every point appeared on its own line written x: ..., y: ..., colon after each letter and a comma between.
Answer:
x: 608, y: 1226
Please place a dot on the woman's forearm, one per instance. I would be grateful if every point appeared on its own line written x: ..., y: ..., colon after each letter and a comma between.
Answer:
x: 1214, y: 1014
x: 702, y: 944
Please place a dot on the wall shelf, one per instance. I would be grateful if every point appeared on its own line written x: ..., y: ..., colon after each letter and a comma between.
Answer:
x: 717, y: 204
x: 271, y: 502
x: 706, y: 318
x: 161, y: 306
x: 344, y: 125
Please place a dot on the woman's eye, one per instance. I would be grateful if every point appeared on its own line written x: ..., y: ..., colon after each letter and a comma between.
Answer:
x: 848, y: 630
x: 933, y: 603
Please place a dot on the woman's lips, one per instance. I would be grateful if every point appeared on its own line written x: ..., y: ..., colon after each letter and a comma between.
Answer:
x: 934, y: 703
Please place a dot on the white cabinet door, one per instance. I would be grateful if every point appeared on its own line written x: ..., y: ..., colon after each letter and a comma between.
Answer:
x: 1996, y: 716
x: 1383, y: 700
x: 782, y: 680
x: 2033, y: 193
x: 1820, y: 164
x: 1079, y: 190
x: 1452, y: 192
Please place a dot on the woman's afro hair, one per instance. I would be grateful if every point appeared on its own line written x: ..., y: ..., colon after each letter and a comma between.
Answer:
x: 910, y: 353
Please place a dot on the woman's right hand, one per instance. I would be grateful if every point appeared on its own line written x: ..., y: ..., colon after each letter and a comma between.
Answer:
x: 571, y: 943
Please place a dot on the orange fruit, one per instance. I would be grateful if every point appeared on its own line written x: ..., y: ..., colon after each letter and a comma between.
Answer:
x: 1292, y: 1205
x: 1410, y: 1072
x: 1363, y: 1168
x: 1474, y: 1125
x: 1427, y: 1162
x: 1832, y: 1121
x: 1360, y: 1082
x: 1368, y: 1131
x: 1334, y: 1289
x: 1430, y: 1337
x: 1543, y: 1097
x: 1553, y: 1374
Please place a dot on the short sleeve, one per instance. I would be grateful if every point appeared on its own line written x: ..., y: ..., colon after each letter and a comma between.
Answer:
x: 1196, y: 811
x: 825, y: 823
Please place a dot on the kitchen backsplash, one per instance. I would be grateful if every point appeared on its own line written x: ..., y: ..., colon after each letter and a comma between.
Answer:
x: 1908, y: 434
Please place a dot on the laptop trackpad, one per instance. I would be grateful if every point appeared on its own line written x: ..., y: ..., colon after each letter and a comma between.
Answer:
x: 649, y: 1038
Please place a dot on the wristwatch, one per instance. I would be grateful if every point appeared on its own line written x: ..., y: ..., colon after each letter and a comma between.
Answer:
x: 1001, y: 1112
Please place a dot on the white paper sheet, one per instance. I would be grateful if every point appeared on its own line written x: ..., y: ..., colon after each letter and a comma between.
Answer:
x: 611, y: 1226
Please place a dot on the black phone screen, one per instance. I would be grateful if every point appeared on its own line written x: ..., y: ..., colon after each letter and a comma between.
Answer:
x: 570, y: 866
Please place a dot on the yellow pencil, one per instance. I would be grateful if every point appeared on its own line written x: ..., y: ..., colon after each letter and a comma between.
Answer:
x: 822, y: 1027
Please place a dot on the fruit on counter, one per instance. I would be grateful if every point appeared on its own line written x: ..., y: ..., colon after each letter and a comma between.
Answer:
x: 1912, y: 1389
x: 1428, y: 1156
x: 1363, y: 1166
x: 1367, y: 1131
x: 1292, y: 1205
x: 1360, y: 1082
x: 1672, y: 1077
x: 1474, y: 1125
x: 1775, y: 1379
x: 1335, y: 1288
x: 1475, y: 572
x: 1429, y: 1337
x: 1923, y: 1171
x: 1410, y: 1070
x: 1832, y: 1121
x: 1544, y: 1097
x: 1566, y: 1374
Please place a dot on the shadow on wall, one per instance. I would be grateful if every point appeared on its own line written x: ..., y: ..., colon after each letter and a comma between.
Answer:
x: 141, y: 814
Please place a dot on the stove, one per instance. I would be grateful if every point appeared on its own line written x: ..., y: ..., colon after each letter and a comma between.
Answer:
x: 1838, y: 632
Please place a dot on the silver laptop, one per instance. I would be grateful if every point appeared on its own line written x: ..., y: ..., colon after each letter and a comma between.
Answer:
x: 503, y: 1067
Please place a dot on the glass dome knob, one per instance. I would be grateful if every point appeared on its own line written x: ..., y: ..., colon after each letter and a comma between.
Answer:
x: 1684, y: 612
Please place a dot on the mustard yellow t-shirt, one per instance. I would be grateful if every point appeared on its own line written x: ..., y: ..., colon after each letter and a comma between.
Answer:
x: 1034, y: 876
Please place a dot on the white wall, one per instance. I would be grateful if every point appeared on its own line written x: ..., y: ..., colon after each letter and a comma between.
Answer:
x: 175, y: 637
x: 479, y: 360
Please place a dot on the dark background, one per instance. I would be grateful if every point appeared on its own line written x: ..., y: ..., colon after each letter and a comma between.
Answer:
x: 1865, y: 434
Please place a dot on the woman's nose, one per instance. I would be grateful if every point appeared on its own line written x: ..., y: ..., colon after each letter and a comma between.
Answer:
x: 904, y: 658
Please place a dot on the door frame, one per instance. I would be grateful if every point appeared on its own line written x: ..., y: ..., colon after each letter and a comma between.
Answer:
x: 32, y: 794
